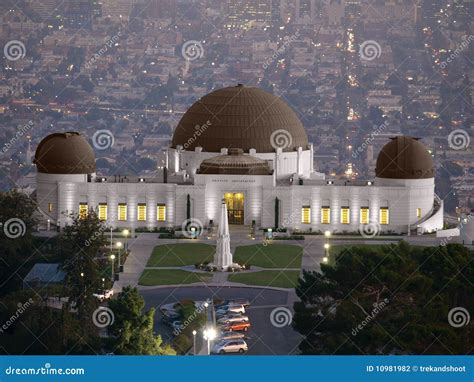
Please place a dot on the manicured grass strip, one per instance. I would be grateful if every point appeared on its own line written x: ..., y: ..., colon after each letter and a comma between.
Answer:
x: 178, y: 255
x: 270, y: 256
x: 278, y: 279
x: 152, y: 277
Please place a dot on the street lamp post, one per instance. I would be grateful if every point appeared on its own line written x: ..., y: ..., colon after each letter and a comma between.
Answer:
x: 112, y: 257
x: 209, y: 335
x: 326, y: 252
x: 111, y: 239
x: 194, y: 342
x: 125, y: 233
x: 119, y: 246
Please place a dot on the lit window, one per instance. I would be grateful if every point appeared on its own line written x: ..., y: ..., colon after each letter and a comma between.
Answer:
x: 102, y: 211
x: 364, y: 215
x: 345, y: 215
x: 306, y: 215
x: 122, y: 212
x: 141, y: 212
x: 50, y: 207
x: 418, y: 213
x: 83, y: 210
x: 384, y: 218
x: 326, y: 215
x: 161, y: 212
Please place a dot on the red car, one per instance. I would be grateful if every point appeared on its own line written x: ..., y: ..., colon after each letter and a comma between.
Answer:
x: 237, y: 326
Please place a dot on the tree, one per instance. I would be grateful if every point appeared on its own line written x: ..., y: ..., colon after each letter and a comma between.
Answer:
x: 81, y: 242
x: 392, y: 300
x: 17, y: 216
x: 132, y: 330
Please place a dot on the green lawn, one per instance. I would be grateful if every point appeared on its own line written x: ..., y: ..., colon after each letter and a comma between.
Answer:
x: 151, y: 277
x: 270, y: 256
x: 280, y: 279
x: 178, y: 255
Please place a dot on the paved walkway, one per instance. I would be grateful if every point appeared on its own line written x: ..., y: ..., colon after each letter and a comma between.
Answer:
x: 142, y: 246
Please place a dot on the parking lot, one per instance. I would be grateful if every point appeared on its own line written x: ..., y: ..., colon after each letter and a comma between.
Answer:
x: 262, y: 338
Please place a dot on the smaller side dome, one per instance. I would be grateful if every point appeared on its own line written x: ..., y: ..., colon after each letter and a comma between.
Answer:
x: 404, y: 158
x: 65, y: 153
x: 235, y: 163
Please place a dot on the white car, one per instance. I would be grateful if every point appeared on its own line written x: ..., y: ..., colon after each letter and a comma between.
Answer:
x: 231, y: 308
x: 231, y: 346
x: 232, y: 319
x: 105, y: 295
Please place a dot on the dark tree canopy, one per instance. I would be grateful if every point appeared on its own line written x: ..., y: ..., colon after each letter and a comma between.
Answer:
x: 388, y: 300
x: 132, y: 330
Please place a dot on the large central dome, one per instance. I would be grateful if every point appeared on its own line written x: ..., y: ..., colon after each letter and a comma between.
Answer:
x: 242, y: 117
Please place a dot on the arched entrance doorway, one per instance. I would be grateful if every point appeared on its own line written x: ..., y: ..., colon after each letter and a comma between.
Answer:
x: 235, y: 207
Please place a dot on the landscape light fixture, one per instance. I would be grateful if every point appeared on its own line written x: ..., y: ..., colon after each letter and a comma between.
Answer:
x: 194, y: 342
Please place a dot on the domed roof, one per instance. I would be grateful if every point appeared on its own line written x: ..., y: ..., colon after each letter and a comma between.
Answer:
x: 235, y: 163
x: 65, y: 153
x: 240, y: 116
x: 404, y: 158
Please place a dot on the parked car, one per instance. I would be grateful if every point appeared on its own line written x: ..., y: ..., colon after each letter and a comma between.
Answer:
x: 105, y: 295
x: 236, y: 326
x: 231, y: 308
x: 232, y: 319
x: 232, y: 346
x: 239, y: 301
x: 225, y: 336
x: 224, y: 312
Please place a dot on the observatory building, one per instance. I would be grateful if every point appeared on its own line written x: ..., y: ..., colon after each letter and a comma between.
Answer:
x: 249, y: 148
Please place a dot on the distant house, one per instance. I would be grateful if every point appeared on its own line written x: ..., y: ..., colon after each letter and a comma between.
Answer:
x: 42, y: 275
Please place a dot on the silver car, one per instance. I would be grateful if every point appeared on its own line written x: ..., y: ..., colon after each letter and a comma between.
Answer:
x: 226, y: 336
x: 231, y: 346
x: 232, y: 319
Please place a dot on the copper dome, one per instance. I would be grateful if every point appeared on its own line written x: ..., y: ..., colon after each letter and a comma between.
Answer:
x: 404, y: 158
x: 65, y: 153
x: 240, y: 116
x: 236, y: 163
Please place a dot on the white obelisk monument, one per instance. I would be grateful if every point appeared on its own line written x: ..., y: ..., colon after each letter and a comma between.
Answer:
x: 223, y: 257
